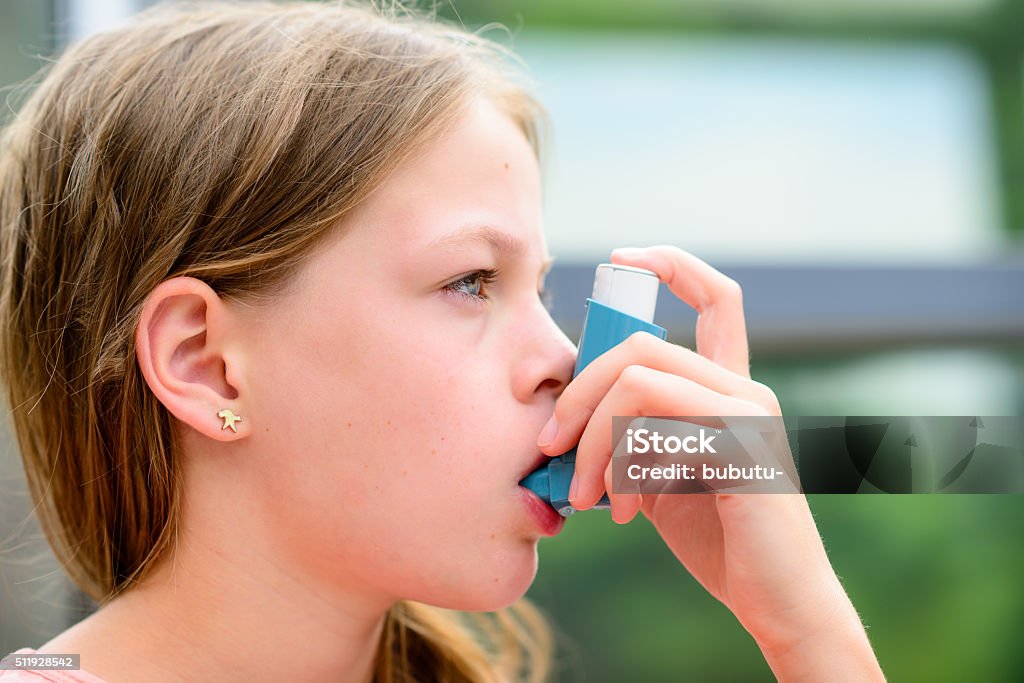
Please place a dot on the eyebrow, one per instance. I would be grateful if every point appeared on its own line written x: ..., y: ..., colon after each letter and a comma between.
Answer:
x: 500, y: 241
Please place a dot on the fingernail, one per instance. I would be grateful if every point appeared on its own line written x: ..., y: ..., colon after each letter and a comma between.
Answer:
x: 628, y: 252
x: 573, y: 486
x: 547, y: 435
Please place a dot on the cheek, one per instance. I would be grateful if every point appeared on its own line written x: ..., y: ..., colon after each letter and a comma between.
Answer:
x: 405, y: 384
x: 383, y: 460
x: 380, y: 419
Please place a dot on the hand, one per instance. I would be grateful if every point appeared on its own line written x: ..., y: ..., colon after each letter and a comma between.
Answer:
x: 759, y: 554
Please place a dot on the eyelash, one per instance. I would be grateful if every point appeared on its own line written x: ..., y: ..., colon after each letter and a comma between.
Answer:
x: 487, y: 277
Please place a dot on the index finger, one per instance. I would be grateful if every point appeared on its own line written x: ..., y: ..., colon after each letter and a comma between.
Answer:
x: 718, y: 300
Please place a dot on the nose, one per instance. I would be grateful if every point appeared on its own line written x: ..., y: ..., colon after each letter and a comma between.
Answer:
x: 545, y: 361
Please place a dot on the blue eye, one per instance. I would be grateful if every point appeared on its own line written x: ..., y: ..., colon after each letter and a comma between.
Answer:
x: 471, y: 285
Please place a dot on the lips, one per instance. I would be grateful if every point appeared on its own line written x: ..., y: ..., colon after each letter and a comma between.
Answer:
x: 544, y: 516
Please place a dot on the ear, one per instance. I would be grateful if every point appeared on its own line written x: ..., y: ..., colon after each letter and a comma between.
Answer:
x: 184, y: 350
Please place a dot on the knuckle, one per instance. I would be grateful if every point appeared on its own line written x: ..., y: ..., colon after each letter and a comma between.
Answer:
x: 641, y: 342
x: 760, y: 389
x: 730, y: 289
x: 765, y: 397
x: 633, y: 377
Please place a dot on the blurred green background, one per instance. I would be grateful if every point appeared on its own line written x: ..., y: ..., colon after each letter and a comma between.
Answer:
x: 865, y: 137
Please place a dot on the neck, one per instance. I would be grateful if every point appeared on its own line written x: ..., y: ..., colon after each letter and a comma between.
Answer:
x: 225, y: 603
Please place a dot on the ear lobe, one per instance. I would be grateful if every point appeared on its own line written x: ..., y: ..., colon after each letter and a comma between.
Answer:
x: 181, y: 347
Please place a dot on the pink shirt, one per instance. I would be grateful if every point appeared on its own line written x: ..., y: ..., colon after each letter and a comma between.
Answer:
x: 37, y: 676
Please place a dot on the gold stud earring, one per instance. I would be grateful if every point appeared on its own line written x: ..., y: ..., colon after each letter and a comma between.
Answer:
x: 229, y: 419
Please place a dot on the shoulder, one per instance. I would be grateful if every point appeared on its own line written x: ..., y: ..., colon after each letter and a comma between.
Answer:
x: 43, y: 675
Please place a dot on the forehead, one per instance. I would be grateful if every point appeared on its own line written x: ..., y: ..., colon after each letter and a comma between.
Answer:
x: 481, y: 172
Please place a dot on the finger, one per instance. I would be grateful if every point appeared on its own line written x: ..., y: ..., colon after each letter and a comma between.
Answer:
x: 577, y: 403
x: 642, y: 391
x: 721, y: 327
x: 625, y: 506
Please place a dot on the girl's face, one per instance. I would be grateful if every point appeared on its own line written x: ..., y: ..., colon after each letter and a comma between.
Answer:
x: 395, y: 395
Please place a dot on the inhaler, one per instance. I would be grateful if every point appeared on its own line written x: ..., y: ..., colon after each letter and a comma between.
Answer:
x: 622, y: 303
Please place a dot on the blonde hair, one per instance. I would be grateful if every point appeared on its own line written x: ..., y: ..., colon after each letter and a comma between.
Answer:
x: 220, y: 141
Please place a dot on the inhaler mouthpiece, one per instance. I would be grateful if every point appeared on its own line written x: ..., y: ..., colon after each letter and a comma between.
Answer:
x: 633, y: 291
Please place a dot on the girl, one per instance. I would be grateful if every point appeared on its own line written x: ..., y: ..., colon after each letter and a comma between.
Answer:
x: 277, y: 360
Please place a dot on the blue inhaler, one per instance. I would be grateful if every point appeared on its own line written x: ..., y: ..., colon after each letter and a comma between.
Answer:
x: 622, y: 303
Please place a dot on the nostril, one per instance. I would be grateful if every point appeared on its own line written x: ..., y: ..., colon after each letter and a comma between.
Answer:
x: 552, y: 383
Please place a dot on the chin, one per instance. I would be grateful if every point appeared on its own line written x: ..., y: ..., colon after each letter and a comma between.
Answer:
x: 486, y: 591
